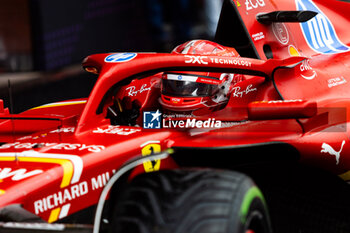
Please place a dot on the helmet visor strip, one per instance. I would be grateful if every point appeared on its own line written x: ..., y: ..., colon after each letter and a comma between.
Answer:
x: 187, y: 86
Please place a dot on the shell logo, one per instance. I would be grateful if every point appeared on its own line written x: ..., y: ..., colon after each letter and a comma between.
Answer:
x: 293, y: 51
x: 72, y: 165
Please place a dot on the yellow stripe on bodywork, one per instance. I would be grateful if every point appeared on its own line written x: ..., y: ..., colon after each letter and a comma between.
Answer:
x: 71, y: 164
x: 54, y: 215
x: 8, y: 158
x: 66, y: 165
x: 59, y: 104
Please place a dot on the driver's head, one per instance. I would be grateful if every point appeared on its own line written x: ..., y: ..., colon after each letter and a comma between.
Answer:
x: 205, y: 47
x: 198, y: 92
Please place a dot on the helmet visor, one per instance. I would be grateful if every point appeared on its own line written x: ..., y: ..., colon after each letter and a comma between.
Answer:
x: 187, y: 88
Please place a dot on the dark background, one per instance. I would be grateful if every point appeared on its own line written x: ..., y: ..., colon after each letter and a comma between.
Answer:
x: 43, y: 42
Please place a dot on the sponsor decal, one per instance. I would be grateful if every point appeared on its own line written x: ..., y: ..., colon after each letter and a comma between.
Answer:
x: 151, y: 148
x: 2, y: 192
x: 231, y: 62
x: 306, y: 70
x: 282, y: 101
x: 116, y: 130
x: 237, y: 92
x: 204, y: 60
x: 254, y: 4
x: 54, y: 146
x: 61, y: 197
x: 293, y: 51
x: 152, y: 119
x: 33, y: 137
x: 281, y: 33
x: 24, y: 138
x: 59, y: 202
x: 189, y: 78
x: 120, y: 57
x: 238, y: 3
x: 326, y: 148
x: 175, y: 100
x: 258, y: 36
x: 18, y: 174
x: 133, y: 92
x: 336, y: 81
x: 319, y: 31
x: 100, y: 181
x: 196, y: 59
x: 208, y: 81
x: 72, y: 165
x: 60, y: 130
x: 40, y: 136
x: 64, y: 130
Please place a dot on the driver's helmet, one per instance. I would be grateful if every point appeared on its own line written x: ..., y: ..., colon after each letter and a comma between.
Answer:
x: 202, y: 92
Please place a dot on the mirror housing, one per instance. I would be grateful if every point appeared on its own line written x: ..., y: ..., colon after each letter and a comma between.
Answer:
x: 281, y: 109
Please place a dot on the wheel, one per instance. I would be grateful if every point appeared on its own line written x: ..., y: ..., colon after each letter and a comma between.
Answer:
x: 191, y: 201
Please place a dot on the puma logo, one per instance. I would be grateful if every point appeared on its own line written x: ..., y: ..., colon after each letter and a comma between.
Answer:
x: 328, y: 149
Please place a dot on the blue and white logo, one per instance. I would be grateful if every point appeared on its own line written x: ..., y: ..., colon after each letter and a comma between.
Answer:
x: 179, y: 77
x: 152, y: 120
x: 120, y: 57
x: 319, y: 31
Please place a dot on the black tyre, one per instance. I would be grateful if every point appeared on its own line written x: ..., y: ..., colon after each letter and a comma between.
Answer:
x: 191, y: 201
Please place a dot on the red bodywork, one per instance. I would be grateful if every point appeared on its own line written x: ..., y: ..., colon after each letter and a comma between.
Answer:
x: 56, y: 158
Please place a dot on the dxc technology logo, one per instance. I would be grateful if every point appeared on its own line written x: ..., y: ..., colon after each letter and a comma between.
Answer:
x: 152, y: 120
x: 319, y: 31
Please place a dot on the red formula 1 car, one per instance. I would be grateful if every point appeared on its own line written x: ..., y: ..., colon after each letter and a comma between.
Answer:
x: 180, y: 142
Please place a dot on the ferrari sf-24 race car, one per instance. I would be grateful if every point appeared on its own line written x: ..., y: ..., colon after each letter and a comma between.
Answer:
x: 206, y: 138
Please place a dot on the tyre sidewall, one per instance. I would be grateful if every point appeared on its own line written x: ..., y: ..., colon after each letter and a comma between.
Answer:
x: 249, y: 204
